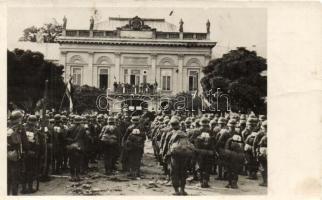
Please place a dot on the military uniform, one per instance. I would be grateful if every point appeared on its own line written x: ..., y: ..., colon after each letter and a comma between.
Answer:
x: 179, y: 157
x: 109, y: 137
x: 134, y: 143
x: 260, y: 150
x: 16, y: 147
x: 75, y: 146
x: 32, y: 157
x: 248, y: 136
x: 233, y: 155
x: 222, y: 135
x: 205, y: 151
x: 57, y: 133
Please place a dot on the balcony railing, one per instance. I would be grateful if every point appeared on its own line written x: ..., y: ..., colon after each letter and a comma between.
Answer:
x: 115, y: 34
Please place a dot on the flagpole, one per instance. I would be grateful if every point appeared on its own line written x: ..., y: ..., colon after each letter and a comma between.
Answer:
x: 61, y: 103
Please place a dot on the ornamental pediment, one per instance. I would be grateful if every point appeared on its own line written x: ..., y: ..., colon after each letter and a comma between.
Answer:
x: 136, y: 24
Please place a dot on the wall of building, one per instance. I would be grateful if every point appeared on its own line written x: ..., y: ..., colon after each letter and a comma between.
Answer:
x: 156, y: 60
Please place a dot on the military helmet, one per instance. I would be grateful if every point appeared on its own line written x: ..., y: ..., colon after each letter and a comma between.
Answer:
x: 57, y: 117
x: 77, y: 119
x: 221, y: 120
x: 32, y: 119
x: 63, y: 118
x: 166, y: 121
x: 262, y: 117
x: 51, y: 120
x: 16, y: 115
x: 212, y: 122
x: 188, y: 121
x: 242, y: 122
x: 242, y: 117
x: 232, y: 122
x: 110, y: 120
x: 174, y: 121
x: 204, y: 121
x: 135, y: 119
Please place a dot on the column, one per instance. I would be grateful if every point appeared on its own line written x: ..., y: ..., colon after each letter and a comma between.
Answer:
x: 152, y: 75
x: 95, y: 76
x: 180, y: 73
x: 185, y: 79
x: 117, y: 66
x: 88, y: 70
x: 63, y: 61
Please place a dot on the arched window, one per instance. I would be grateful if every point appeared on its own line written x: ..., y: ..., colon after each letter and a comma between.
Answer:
x: 166, y: 61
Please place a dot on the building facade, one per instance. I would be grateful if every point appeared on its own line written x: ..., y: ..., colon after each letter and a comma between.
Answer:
x: 135, y: 51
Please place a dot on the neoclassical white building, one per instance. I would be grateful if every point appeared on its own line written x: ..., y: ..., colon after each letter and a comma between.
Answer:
x: 134, y: 51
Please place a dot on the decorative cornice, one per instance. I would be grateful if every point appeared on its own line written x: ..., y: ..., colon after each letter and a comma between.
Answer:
x: 73, y: 40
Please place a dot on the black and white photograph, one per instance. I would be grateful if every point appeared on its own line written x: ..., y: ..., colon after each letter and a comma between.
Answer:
x: 130, y: 101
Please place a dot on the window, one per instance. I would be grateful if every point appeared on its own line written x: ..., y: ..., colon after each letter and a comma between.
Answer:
x: 193, y: 80
x: 77, y: 75
x: 144, y: 78
x: 125, y: 75
x: 135, y: 77
x: 103, y: 78
x: 166, y: 79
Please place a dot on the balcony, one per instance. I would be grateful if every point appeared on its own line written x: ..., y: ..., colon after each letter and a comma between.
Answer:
x: 116, y: 34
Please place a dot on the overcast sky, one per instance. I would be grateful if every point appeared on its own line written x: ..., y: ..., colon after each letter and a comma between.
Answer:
x: 230, y: 27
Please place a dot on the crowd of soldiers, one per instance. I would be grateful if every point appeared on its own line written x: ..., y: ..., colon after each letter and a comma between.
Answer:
x: 39, y: 147
x: 210, y: 144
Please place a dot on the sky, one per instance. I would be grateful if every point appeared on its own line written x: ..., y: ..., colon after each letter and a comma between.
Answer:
x: 230, y: 27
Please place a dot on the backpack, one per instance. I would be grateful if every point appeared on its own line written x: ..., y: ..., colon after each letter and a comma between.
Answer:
x: 135, y: 141
x: 250, y: 141
x: 182, y: 147
x: 108, y: 137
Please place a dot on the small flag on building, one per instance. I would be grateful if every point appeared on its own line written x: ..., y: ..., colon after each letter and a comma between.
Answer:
x: 69, y: 94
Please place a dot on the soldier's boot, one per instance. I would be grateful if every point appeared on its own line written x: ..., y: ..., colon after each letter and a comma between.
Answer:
x: 252, y: 175
x: 77, y: 175
x: 30, y: 188
x: 234, y: 184
x: 24, y: 189
x: 182, y: 191
x: 72, y: 174
x: 264, y: 183
x: 220, y: 176
x: 176, y: 190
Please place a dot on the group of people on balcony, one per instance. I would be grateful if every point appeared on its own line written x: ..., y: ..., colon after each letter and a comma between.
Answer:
x: 143, y: 88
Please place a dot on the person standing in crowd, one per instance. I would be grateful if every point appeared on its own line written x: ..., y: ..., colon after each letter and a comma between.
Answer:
x: 181, y: 151
x: 205, y: 145
x: 57, y: 145
x: 260, y: 151
x: 75, y: 141
x: 248, y: 136
x: 134, y: 139
x: 110, y: 144
x: 17, y: 145
x: 233, y: 155
x: 31, y: 158
x: 222, y: 136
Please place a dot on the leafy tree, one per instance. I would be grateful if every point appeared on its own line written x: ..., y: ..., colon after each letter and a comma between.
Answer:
x: 238, y: 74
x: 84, y: 98
x: 186, y: 102
x: 27, y: 72
x: 47, y: 33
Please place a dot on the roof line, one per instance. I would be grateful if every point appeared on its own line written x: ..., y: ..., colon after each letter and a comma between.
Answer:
x: 144, y: 19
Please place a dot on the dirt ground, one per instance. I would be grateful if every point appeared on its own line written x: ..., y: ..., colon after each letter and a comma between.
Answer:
x: 152, y: 183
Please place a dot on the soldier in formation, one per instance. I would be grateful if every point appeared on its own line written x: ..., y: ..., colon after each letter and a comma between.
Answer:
x: 220, y: 146
x: 196, y: 146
